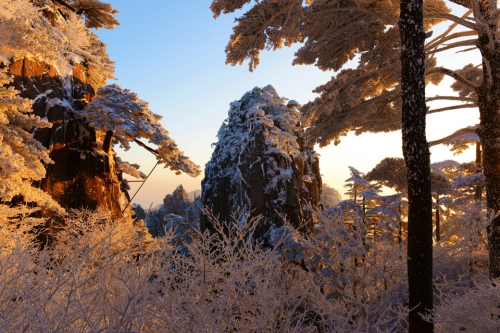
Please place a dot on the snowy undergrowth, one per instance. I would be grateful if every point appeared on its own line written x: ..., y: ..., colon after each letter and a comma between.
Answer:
x: 103, y: 275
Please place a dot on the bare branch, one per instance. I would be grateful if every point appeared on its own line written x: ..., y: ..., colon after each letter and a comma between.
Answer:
x: 454, y: 107
x: 467, y: 50
x: 451, y: 98
x: 468, y: 42
x: 450, y: 28
x: 435, y: 43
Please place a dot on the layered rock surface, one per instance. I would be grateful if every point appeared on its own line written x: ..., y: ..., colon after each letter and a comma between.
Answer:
x: 261, y: 166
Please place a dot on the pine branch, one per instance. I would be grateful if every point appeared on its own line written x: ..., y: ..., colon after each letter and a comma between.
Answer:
x: 143, y: 145
x: 452, y: 26
x: 65, y: 4
x: 454, y: 107
x: 454, y: 75
x: 451, y: 98
x: 467, y: 50
x: 458, y: 133
x: 468, y: 42
x: 453, y: 18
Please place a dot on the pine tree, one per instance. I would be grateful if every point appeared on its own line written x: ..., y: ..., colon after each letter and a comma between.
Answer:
x: 126, y: 118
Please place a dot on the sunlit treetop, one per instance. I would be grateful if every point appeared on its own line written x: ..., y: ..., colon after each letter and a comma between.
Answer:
x: 97, y: 14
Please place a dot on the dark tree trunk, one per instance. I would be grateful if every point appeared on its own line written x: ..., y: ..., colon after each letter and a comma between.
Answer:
x: 400, y: 232
x: 488, y: 94
x: 489, y: 132
x: 108, y: 139
x: 416, y: 154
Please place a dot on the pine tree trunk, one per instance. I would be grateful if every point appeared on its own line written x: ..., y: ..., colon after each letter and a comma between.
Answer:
x: 489, y: 132
x: 108, y: 139
x: 416, y: 154
x: 488, y: 94
x: 400, y: 231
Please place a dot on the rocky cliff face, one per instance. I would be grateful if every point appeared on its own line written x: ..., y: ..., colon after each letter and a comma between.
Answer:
x: 83, y: 175
x: 261, y: 166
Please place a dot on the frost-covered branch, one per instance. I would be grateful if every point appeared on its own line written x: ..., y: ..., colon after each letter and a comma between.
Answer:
x: 453, y: 18
x: 454, y: 75
x: 454, y: 107
x: 463, y: 43
x: 460, y: 139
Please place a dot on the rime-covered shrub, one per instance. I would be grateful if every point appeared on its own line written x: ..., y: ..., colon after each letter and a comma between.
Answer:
x: 108, y: 276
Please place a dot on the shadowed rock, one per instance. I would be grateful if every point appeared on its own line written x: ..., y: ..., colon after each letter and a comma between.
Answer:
x: 261, y: 166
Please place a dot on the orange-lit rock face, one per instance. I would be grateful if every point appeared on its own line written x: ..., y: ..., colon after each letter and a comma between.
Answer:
x: 82, y: 176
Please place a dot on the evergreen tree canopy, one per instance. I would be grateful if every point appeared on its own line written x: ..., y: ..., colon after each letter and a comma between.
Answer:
x: 365, y: 99
x: 128, y: 118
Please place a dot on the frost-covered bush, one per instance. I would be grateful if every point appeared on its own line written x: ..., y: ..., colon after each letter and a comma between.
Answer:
x: 362, y: 277
x: 108, y: 276
x: 475, y: 309
x: 111, y: 276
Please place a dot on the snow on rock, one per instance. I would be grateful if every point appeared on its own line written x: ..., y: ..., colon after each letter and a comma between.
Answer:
x: 261, y: 165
